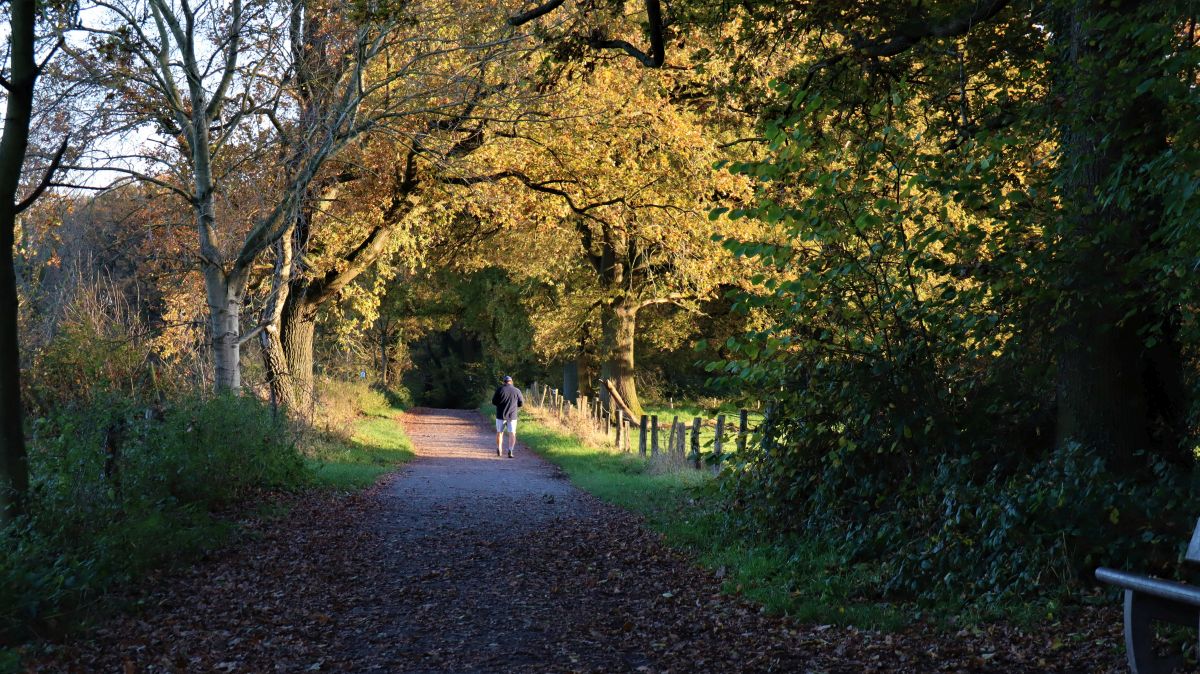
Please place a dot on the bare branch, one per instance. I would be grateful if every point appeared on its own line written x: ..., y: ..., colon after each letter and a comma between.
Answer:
x: 231, y: 59
x: 138, y: 175
x: 46, y: 179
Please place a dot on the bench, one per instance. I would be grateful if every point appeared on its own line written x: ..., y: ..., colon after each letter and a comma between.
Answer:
x: 1150, y: 599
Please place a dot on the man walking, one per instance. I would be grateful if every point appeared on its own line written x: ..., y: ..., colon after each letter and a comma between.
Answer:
x: 507, y: 399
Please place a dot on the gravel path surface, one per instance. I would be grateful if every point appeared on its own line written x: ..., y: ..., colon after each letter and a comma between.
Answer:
x: 467, y: 562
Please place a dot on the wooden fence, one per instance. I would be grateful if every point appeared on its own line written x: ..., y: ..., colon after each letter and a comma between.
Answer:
x: 680, y: 439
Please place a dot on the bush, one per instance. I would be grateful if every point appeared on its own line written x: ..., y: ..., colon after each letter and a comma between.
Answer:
x: 95, y: 348
x: 909, y: 348
x: 116, y: 491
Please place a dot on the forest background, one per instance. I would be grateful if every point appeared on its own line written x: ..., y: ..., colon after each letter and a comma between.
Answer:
x: 951, y: 245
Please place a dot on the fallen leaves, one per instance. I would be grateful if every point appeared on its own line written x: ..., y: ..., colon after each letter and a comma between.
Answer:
x: 387, y: 581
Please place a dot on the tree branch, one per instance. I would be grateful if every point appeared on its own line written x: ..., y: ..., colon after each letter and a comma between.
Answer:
x: 656, y: 56
x: 543, y: 187
x: 910, y: 35
x: 542, y: 10
x: 673, y: 298
x: 47, y: 178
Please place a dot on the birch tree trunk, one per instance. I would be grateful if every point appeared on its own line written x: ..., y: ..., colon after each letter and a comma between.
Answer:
x: 225, y: 311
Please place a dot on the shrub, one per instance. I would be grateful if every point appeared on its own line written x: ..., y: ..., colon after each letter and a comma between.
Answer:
x: 116, y: 491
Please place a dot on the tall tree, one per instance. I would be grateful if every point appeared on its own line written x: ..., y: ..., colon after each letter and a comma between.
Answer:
x: 628, y: 177
x: 423, y: 123
x: 237, y: 69
x: 19, y: 81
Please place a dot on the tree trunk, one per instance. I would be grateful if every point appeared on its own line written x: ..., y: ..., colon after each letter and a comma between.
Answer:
x: 225, y: 310
x: 620, y: 327
x: 14, y: 468
x: 14, y: 463
x: 583, y: 366
x: 1114, y: 394
x: 279, y: 376
x: 385, y: 359
x: 571, y: 380
x: 298, y: 326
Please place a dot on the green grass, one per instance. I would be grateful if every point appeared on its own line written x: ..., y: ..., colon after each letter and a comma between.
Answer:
x: 793, y: 577
x: 377, y: 446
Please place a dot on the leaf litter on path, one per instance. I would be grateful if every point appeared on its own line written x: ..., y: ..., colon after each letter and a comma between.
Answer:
x: 468, y: 563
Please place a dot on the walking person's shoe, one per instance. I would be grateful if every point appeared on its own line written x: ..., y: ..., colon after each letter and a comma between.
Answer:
x: 510, y: 455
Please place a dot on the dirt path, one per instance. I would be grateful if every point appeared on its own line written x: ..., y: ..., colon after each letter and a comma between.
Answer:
x: 503, y: 566
x: 467, y: 562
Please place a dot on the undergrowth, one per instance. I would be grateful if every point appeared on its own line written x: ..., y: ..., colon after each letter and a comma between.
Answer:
x: 120, y: 488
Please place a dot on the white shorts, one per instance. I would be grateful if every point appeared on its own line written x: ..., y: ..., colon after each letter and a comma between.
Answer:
x: 506, y: 426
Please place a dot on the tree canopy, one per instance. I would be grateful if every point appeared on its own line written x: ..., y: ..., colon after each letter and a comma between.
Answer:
x: 951, y: 245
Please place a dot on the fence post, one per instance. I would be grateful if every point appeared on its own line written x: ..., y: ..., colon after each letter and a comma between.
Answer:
x: 766, y: 428
x: 696, y: 421
x: 654, y: 435
x: 584, y: 407
x: 681, y: 441
x: 673, y: 439
x: 743, y: 429
x: 561, y: 400
x: 642, y: 435
x: 542, y: 397
x: 620, y: 430
x: 717, y: 440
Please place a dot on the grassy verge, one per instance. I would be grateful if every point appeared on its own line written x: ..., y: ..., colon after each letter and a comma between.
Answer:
x: 376, y: 444
x: 805, y: 580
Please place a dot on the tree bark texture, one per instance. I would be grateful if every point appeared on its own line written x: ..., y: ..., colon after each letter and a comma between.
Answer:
x: 620, y: 328
x: 298, y: 327
x: 225, y: 311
